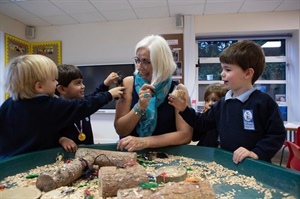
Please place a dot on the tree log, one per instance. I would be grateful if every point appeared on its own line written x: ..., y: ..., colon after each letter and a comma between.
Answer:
x: 65, y: 175
x: 107, y: 158
x: 171, y: 190
x: 111, y: 179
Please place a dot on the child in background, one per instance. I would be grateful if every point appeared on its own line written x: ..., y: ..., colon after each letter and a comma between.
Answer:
x: 70, y: 86
x: 31, y: 118
x: 249, y: 121
x: 214, y: 92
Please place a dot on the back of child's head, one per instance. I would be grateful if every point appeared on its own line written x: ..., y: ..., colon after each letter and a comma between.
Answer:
x: 246, y: 54
x: 218, y: 89
x: 25, y: 71
x: 66, y: 74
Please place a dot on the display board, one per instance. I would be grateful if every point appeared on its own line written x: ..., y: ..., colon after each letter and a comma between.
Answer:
x: 175, y: 42
x: 15, y: 47
x: 50, y: 49
x: 93, y: 75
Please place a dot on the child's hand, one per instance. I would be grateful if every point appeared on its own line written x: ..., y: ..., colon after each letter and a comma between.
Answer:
x: 111, y: 79
x: 204, y: 110
x: 117, y: 92
x: 241, y: 153
x: 178, y: 102
x: 68, y: 144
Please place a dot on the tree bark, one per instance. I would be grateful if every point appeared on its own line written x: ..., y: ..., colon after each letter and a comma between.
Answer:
x: 111, y: 179
x: 65, y: 175
x: 107, y: 158
x: 171, y: 190
x: 84, y: 158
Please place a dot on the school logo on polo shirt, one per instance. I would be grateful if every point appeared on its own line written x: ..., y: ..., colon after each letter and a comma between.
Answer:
x: 248, y: 119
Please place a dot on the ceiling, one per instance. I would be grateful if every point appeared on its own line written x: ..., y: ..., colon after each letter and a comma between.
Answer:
x: 64, y: 12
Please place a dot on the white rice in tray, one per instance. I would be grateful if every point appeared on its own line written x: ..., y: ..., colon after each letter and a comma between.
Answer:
x: 226, y: 183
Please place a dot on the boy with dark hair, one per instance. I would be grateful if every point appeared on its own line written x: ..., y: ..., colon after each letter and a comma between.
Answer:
x: 248, y: 121
x: 70, y: 86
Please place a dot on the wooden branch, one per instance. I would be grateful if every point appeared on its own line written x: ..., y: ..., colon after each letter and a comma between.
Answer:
x: 107, y: 158
x: 65, y: 175
x: 171, y: 190
x: 111, y: 179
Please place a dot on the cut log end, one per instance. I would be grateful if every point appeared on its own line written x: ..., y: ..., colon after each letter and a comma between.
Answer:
x: 45, y: 183
x: 170, y: 174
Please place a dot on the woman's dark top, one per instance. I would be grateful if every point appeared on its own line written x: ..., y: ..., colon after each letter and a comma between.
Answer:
x: 166, y: 121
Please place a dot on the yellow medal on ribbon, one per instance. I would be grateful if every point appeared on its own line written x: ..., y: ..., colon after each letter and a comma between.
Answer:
x: 81, y: 136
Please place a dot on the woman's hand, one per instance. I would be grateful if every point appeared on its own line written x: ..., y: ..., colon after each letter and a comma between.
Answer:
x: 145, y: 95
x: 131, y: 143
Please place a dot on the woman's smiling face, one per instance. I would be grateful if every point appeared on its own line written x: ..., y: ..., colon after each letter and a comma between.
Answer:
x: 145, y: 70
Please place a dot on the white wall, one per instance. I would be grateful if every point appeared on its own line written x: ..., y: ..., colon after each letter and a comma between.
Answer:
x: 104, y: 42
x: 103, y: 128
x: 247, y: 23
x: 114, y: 42
x: 15, y: 28
x: 11, y: 26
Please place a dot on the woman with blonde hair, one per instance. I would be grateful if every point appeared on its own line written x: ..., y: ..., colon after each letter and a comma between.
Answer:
x: 144, y: 119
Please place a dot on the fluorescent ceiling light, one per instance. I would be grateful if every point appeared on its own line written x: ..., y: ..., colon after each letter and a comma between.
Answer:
x: 272, y: 44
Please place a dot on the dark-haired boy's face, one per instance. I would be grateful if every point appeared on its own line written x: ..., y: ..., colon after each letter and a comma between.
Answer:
x: 236, y: 79
x: 75, y: 90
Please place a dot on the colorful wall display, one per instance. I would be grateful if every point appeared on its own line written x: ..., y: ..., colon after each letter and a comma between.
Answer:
x: 51, y: 49
x: 15, y: 47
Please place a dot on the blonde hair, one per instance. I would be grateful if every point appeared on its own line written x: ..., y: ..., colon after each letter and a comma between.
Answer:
x: 25, y: 71
x: 161, y: 57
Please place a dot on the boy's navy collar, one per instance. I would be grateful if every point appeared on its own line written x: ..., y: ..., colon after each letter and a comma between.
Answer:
x: 243, y: 97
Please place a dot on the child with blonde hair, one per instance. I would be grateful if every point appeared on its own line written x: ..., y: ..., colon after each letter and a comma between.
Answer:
x: 31, y: 118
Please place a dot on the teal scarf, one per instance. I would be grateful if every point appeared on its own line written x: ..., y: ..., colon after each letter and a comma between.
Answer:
x: 147, y: 123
